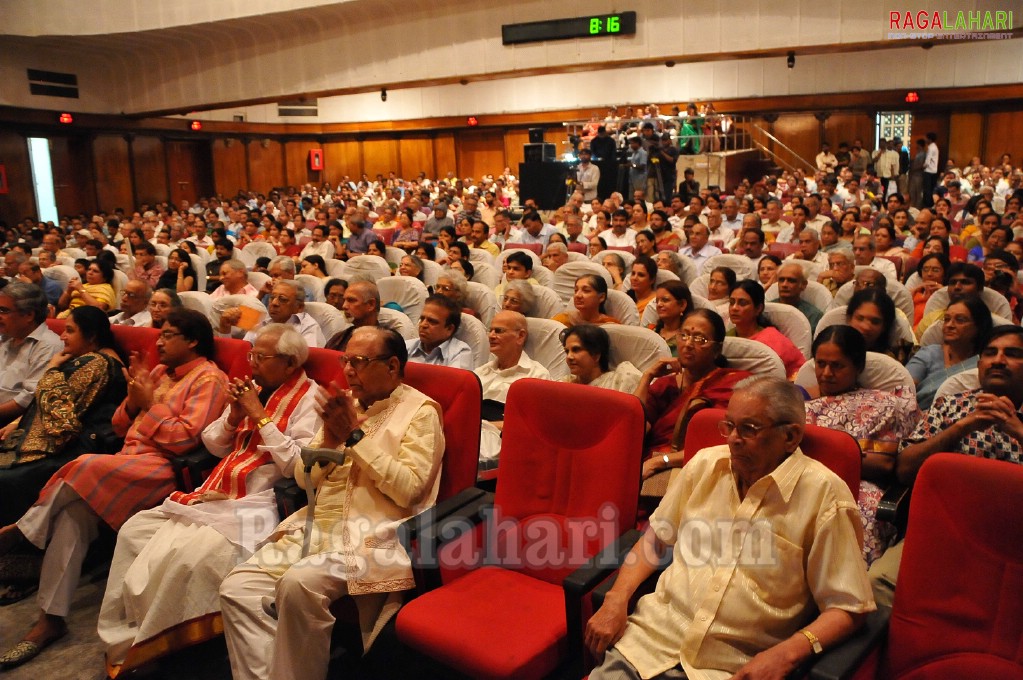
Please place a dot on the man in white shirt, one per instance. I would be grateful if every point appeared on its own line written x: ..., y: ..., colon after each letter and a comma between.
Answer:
x: 826, y: 161
x: 699, y: 250
x: 930, y: 169
x: 507, y: 337
x: 814, y: 218
x: 773, y: 225
x: 718, y: 231
x: 731, y: 219
x: 534, y: 230
x: 287, y: 306
x: 864, y: 254
x: 587, y: 175
x: 134, y: 305
x: 619, y: 235
x: 437, y: 344
x: 810, y: 249
x: 319, y: 245
x: 790, y: 233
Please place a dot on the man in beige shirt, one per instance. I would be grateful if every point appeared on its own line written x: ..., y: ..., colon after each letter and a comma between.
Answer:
x: 766, y: 566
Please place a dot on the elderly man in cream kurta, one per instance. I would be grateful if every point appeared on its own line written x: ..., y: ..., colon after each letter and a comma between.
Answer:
x: 765, y: 571
x: 391, y: 435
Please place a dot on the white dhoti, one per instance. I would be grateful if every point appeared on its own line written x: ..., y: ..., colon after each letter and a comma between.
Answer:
x: 162, y: 591
x: 64, y: 525
x: 303, y: 628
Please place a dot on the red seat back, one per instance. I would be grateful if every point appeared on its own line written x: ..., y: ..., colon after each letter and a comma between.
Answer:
x: 837, y: 450
x: 897, y: 261
x: 535, y: 247
x: 132, y: 339
x: 569, y: 467
x: 577, y: 248
x: 958, y: 609
x: 229, y: 354
x: 56, y: 325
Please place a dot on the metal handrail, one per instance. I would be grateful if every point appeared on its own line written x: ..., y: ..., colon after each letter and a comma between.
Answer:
x: 810, y: 166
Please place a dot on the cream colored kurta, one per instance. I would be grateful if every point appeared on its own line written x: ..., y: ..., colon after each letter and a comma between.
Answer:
x: 358, y: 508
x: 798, y: 537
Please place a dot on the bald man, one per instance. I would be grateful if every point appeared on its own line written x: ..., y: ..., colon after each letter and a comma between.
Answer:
x: 508, y: 334
x: 791, y: 284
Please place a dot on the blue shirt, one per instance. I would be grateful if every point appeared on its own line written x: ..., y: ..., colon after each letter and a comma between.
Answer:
x: 452, y: 352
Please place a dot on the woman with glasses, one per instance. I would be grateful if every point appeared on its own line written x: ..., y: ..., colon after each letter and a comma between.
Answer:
x: 519, y: 297
x: 933, y: 271
x: 672, y: 390
x: 965, y: 330
x: 70, y: 415
x: 162, y: 303
x: 878, y: 419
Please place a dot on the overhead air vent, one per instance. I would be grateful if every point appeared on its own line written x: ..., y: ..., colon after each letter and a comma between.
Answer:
x: 297, y: 107
x: 52, y: 84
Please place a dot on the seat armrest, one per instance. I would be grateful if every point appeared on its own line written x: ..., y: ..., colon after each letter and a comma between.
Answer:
x: 894, y: 506
x: 426, y: 558
x: 289, y: 496
x: 842, y: 662
x: 411, y: 529
x: 580, y: 582
x: 190, y: 469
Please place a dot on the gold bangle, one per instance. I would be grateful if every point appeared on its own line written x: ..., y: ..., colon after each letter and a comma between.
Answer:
x: 265, y: 420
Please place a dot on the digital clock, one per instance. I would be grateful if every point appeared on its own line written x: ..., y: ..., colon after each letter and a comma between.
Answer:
x: 622, y: 23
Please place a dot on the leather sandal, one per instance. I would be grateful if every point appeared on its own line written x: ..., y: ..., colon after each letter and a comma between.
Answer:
x: 16, y: 592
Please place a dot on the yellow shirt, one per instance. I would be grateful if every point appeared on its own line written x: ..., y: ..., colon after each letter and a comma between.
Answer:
x: 714, y: 608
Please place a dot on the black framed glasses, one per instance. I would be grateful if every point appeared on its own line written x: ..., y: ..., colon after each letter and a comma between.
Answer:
x: 358, y: 362
x: 744, y: 430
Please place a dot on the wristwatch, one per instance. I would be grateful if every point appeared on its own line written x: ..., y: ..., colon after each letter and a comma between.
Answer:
x: 265, y: 420
x: 815, y: 642
x: 667, y: 461
x: 354, y: 438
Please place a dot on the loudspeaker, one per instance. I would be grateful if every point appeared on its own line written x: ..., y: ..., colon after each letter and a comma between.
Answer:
x: 538, y: 153
x: 536, y: 135
x: 544, y: 183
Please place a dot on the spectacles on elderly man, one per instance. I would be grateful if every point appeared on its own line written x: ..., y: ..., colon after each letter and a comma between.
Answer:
x: 360, y: 362
x: 745, y: 430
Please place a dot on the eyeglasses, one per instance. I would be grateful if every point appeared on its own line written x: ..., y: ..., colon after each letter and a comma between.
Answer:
x: 510, y: 298
x: 130, y: 296
x: 698, y: 340
x: 744, y: 430
x: 167, y: 335
x: 359, y: 362
x: 444, y: 288
x: 259, y: 357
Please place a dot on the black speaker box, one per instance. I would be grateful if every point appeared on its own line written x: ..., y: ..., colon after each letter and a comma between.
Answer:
x: 538, y: 153
x: 544, y: 183
x: 536, y: 135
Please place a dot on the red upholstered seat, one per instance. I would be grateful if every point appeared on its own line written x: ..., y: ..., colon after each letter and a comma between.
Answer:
x: 837, y: 450
x: 231, y: 356
x: 535, y: 247
x: 132, y: 339
x: 569, y: 461
x: 958, y: 610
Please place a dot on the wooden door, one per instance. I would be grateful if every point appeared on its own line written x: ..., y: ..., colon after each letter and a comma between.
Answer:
x: 73, y: 179
x: 189, y: 170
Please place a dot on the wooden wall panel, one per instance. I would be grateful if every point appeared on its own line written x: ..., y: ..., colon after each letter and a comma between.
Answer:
x: 296, y: 153
x: 514, y: 141
x: 847, y: 127
x: 266, y: 164
x: 965, y: 136
x: 229, y: 172
x: 150, y: 167
x: 19, y: 202
x: 113, y: 176
x: 480, y: 152
x: 341, y: 159
x: 74, y: 185
x: 416, y: 154
x: 379, y: 156
x: 799, y: 132
x: 1004, y: 135
x: 444, y: 154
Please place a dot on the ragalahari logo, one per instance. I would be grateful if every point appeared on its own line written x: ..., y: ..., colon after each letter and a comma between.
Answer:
x: 950, y: 25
